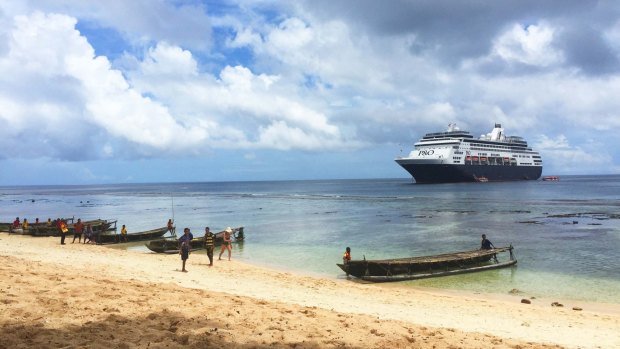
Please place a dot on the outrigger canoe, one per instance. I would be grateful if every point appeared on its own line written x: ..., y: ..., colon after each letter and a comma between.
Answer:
x: 412, y: 268
x: 171, y: 245
x: 32, y: 229
x: 114, y: 238
x: 98, y: 226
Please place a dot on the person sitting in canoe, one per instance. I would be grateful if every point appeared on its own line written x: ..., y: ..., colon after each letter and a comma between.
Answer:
x: 124, y: 233
x: 486, y: 244
x: 346, y: 258
x: 170, y: 226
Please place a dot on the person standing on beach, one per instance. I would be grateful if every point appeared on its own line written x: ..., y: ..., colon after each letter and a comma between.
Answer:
x: 77, y: 231
x: 124, y: 233
x: 62, y: 229
x: 184, y: 247
x: 227, y: 243
x: 88, y: 233
x: 209, y: 244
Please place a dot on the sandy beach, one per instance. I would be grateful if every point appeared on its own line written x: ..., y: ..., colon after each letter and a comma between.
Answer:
x: 77, y: 295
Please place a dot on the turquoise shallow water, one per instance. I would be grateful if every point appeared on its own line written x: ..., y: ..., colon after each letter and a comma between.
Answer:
x: 566, y: 234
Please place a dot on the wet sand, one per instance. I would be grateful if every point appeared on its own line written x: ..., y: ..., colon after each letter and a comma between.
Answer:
x: 77, y: 296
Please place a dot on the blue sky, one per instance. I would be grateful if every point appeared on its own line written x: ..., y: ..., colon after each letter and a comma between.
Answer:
x: 164, y: 91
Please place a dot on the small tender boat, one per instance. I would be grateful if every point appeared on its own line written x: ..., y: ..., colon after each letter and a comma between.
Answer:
x: 481, y: 179
x: 412, y: 268
x: 551, y: 178
x: 171, y: 245
x: 114, y: 238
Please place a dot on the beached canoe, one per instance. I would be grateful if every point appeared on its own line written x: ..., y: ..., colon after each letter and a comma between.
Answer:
x: 115, y: 238
x: 33, y: 228
x: 171, y: 245
x: 412, y: 268
x: 98, y: 225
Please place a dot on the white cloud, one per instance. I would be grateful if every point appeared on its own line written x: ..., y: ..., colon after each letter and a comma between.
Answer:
x: 232, y: 102
x: 532, y: 45
x: 279, y: 135
x: 559, y: 155
x: 140, y: 22
x: 47, y: 52
x: 170, y: 61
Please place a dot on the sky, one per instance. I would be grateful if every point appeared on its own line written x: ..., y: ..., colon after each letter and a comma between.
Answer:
x: 95, y: 92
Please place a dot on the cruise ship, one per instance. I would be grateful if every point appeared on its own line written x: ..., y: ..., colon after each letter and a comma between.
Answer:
x: 456, y: 156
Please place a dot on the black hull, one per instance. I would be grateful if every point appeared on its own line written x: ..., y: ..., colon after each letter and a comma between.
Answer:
x: 447, y: 173
x: 470, y: 269
x: 427, y: 266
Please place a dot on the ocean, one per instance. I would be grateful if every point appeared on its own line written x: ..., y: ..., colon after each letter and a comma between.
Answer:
x: 566, y: 234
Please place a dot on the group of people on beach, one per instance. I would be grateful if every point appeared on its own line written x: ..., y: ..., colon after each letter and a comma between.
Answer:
x: 26, y: 225
x: 79, y: 229
x: 185, y: 246
x: 62, y: 227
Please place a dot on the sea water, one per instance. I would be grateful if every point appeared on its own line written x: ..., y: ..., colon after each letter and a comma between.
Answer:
x: 566, y: 234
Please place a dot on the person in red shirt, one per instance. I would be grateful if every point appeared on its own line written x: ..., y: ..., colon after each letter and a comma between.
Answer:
x: 16, y: 223
x: 78, y: 228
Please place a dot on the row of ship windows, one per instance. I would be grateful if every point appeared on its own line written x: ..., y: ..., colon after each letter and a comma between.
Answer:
x: 490, y: 146
x: 514, y: 156
x: 485, y: 154
x: 512, y: 150
x: 458, y: 159
x: 495, y: 148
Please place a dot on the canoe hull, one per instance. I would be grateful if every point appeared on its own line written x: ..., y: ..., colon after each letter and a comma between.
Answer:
x: 172, y: 245
x: 427, y: 267
x: 106, y: 238
x: 98, y: 226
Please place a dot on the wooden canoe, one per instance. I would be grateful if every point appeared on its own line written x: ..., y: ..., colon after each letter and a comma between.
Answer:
x: 412, y: 268
x: 115, y: 238
x: 171, y: 245
x: 32, y: 229
x: 98, y: 225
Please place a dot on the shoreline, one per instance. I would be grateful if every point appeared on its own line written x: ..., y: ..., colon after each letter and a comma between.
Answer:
x: 460, y: 317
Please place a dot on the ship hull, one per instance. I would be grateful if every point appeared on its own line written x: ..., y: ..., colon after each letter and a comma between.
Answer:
x: 449, y: 173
